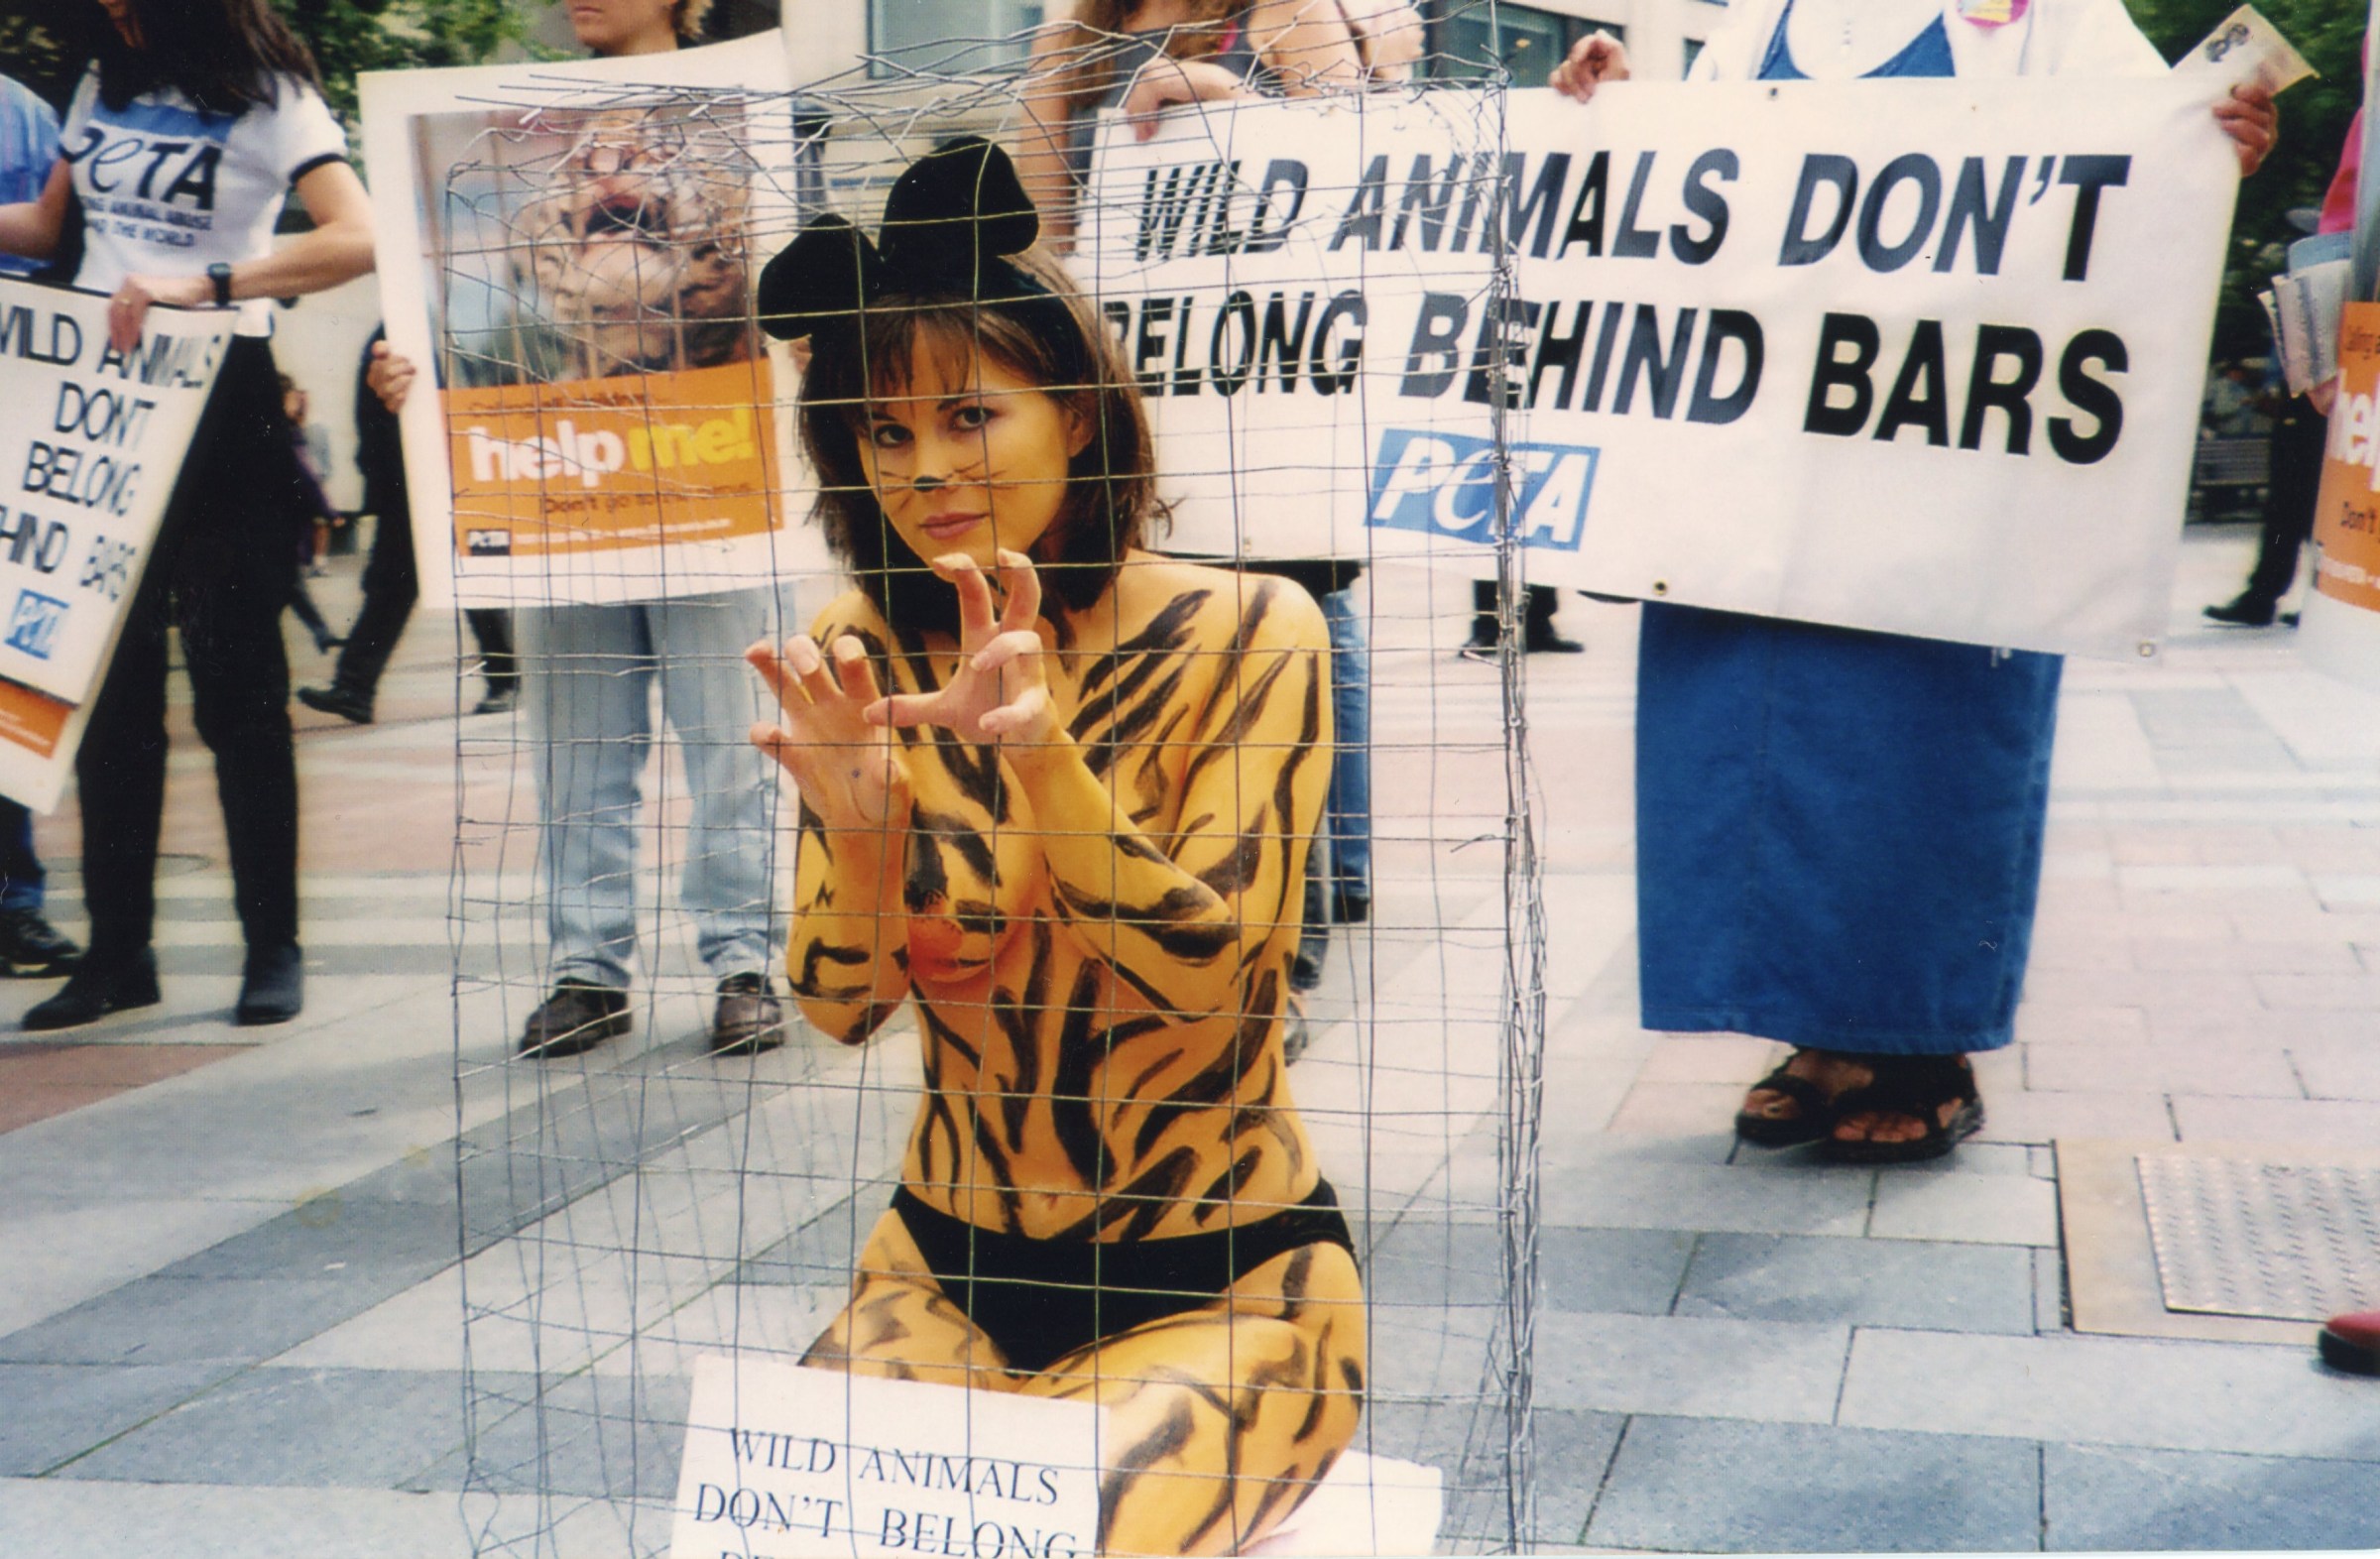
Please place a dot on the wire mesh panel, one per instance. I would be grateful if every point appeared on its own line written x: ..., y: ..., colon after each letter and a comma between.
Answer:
x: 1047, y: 1060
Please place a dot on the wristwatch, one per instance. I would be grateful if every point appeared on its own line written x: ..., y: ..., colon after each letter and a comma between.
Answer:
x: 220, y: 273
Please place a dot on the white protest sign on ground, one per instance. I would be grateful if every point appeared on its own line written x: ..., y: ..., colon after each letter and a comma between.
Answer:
x: 567, y: 250
x: 782, y: 1461
x: 92, y: 440
x: 1915, y: 356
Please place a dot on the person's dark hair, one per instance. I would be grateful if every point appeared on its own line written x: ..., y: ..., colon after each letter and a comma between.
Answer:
x: 225, y: 55
x: 1053, y: 340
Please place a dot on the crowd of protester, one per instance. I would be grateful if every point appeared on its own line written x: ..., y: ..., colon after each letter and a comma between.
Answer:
x: 1883, y: 948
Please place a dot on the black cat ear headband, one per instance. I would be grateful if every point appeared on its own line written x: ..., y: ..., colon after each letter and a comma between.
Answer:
x: 950, y: 224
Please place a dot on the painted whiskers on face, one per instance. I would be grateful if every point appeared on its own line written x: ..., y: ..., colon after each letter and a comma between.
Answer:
x: 969, y: 456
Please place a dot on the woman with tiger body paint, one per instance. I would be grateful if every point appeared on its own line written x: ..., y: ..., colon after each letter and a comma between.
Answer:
x: 1058, y: 792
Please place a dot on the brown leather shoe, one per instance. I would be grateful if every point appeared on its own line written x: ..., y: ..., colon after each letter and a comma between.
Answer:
x: 575, y: 1018
x: 748, y: 1018
x: 2352, y: 1343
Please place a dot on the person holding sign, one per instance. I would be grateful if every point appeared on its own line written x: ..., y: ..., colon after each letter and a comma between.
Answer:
x: 182, y: 142
x: 1838, y: 832
x: 1059, y: 792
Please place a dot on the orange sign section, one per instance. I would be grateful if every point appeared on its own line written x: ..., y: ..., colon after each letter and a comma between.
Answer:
x: 33, y: 721
x: 2347, y: 516
x: 598, y: 464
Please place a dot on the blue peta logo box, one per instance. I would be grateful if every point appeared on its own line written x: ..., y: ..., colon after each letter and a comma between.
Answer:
x: 1445, y: 484
x: 32, y: 626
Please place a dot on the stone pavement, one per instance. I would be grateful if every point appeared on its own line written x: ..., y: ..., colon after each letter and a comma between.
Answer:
x: 234, y: 1273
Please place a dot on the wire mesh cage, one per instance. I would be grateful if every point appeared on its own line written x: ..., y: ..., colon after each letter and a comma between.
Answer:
x: 636, y: 1193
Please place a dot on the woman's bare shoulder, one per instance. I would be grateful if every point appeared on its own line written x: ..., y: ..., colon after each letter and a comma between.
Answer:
x: 1222, y: 606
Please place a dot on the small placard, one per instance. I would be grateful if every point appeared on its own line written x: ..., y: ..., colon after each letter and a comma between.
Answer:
x: 788, y: 1463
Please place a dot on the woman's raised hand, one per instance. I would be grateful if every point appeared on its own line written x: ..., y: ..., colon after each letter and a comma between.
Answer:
x: 2253, y: 123
x: 1594, y: 59
x: 1001, y: 692
x: 847, y: 767
x: 390, y: 377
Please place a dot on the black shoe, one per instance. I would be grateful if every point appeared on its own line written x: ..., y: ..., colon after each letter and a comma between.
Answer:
x: 2246, y: 611
x: 748, y: 1018
x: 1351, y: 905
x: 499, y: 700
x: 31, y: 949
x: 2290, y: 619
x: 575, y: 1018
x: 272, y: 986
x: 345, y: 703
x: 1482, y: 644
x: 95, y: 989
x: 1547, y: 642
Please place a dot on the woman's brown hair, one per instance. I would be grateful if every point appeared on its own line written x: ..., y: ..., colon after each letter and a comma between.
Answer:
x: 1050, y: 339
x: 1092, y: 56
x: 224, y: 55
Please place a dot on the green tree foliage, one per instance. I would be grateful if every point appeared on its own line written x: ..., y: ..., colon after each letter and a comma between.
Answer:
x: 38, y: 39
x: 2314, y: 126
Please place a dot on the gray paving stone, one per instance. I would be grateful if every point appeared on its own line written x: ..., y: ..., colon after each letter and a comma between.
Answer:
x: 590, y: 1435
x: 2256, y: 1399
x: 54, y: 1411
x: 1712, y: 1486
x: 1786, y: 1371
x: 1775, y: 1195
x: 295, y: 1428
x: 1627, y: 1269
x: 1866, y: 1282
x: 2097, y: 1496
x: 1574, y: 1450
x: 186, y: 1320
x: 335, y: 1233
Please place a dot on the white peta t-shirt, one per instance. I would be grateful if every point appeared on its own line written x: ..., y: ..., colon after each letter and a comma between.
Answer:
x: 168, y: 188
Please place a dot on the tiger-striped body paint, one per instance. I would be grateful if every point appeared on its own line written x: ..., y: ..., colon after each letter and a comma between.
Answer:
x: 1097, y: 943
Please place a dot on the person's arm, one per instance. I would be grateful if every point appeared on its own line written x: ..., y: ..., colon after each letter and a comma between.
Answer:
x: 1043, y: 161
x: 338, y: 250
x: 1307, y: 44
x: 1179, y: 920
x: 32, y: 228
x: 848, y: 952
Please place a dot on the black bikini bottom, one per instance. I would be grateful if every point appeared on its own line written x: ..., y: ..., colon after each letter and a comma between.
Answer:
x: 1039, y: 1300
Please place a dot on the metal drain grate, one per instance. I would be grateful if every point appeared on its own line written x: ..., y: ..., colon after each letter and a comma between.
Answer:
x: 2234, y: 1237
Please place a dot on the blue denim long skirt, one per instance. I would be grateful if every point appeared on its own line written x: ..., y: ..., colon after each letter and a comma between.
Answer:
x: 1838, y: 833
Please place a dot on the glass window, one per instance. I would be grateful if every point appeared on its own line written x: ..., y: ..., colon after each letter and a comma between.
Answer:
x: 955, y: 36
x: 1471, y: 39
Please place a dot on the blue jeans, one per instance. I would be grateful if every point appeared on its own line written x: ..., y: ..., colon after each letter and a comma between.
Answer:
x: 21, y: 876
x: 590, y: 675
x: 1340, y: 856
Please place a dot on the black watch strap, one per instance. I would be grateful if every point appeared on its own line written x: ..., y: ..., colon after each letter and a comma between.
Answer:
x: 220, y: 273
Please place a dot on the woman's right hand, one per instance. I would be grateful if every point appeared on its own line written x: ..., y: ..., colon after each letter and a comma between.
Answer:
x: 1166, y: 82
x: 849, y: 772
x: 1594, y: 59
x: 390, y: 377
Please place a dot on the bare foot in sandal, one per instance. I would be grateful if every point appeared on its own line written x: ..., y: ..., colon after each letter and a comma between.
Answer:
x: 1917, y: 1107
x: 1796, y: 1103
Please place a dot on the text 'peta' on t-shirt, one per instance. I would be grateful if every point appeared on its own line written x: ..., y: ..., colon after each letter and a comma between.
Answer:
x: 168, y: 189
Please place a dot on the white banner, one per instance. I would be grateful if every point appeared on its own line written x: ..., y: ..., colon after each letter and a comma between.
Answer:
x: 1916, y: 356
x: 568, y: 251
x: 92, y: 440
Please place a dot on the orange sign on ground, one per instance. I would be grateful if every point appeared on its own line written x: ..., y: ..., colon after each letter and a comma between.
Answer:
x: 599, y: 464
x: 2347, y: 516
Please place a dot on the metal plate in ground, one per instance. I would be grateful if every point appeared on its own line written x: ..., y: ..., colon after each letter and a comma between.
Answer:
x: 2291, y: 1242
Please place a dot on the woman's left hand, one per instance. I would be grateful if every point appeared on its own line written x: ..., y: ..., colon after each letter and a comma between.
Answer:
x: 2249, y: 118
x: 129, y: 308
x: 1001, y: 690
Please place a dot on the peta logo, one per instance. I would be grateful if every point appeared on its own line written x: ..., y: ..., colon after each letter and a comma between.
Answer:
x: 488, y: 544
x: 32, y: 626
x: 1445, y: 484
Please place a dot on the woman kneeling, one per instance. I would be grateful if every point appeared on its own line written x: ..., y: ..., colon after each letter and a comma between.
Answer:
x: 1074, y: 830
